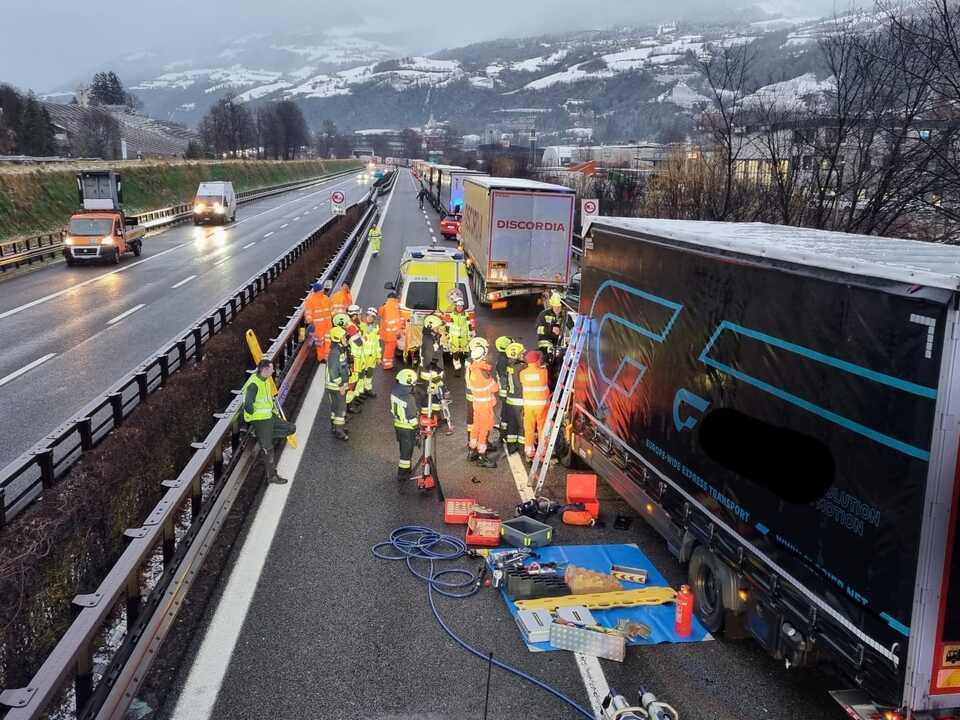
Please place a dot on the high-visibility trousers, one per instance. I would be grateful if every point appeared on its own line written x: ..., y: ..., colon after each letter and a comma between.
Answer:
x: 338, y: 407
x: 513, y: 414
x: 352, y: 389
x: 483, y: 420
x: 407, y: 438
x: 533, y: 420
x: 389, y: 351
x: 323, y: 348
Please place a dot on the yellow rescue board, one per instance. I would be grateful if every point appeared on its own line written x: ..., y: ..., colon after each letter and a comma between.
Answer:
x: 604, y: 600
x: 257, y: 353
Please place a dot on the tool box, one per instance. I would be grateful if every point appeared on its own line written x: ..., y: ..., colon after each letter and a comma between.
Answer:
x: 534, y: 625
x: 524, y: 531
x: 456, y: 511
x: 483, y: 528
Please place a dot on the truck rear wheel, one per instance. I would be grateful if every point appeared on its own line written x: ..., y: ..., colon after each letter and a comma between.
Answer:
x: 705, y: 581
x: 137, y: 248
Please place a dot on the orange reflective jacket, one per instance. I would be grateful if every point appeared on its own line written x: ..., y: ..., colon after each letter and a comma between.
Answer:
x: 536, y: 390
x: 390, y: 318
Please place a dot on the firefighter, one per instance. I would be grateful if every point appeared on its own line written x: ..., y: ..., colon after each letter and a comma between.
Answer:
x: 550, y: 327
x: 513, y: 410
x: 371, y: 350
x: 475, y: 342
x: 403, y: 408
x: 459, y: 331
x: 265, y: 422
x: 501, y: 344
x: 353, y: 310
x: 534, y: 382
x: 318, y: 314
x: 390, y: 326
x: 484, y: 389
x: 375, y: 238
x: 341, y: 299
x: 338, y: 379
x: 431, y: 365
x: 355, y: 345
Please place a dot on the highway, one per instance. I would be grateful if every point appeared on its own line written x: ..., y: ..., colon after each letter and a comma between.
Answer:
x: 69, y: 333
x: 310, y: 625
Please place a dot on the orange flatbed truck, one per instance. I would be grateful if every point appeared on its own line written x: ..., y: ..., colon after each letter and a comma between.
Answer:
x: 100, y: 231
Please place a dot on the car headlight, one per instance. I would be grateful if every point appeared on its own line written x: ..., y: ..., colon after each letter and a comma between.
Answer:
x: 68, y: 241
x: 198, y: 208
x: 107, y: 241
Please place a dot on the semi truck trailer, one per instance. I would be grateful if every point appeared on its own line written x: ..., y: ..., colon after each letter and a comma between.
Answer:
x: 517, y: 235
x: 783, y: 406
x: 450, y: 198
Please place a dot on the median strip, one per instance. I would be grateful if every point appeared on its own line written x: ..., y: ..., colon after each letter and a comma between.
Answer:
x: 25, y: 369
x: 129, y: 312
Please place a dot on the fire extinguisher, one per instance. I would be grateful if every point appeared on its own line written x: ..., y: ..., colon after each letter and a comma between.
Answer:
x: 684, y: 620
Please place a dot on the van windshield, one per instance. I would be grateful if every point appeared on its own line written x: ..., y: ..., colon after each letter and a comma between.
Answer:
x: 209, y: 199
x: 422, y: 295
x: 90, y: 226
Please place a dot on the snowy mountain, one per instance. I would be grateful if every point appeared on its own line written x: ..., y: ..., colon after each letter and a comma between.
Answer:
x: 625, y: 83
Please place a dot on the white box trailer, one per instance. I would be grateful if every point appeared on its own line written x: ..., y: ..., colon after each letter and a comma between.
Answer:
x: 517, y: 235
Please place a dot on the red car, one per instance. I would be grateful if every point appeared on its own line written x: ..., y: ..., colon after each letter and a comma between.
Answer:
x: 450, y: 226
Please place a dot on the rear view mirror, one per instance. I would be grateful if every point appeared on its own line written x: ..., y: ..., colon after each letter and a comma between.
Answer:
x: 389, y: 286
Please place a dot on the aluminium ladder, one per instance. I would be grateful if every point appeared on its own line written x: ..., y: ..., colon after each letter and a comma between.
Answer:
x: 558, y: 403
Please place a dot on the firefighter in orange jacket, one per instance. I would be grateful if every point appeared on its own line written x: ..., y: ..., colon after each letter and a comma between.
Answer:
x: 341, y: 299
x: 390, y: 329
x: 534, y: 379
x: 483, y: 388
x: 318, y: 314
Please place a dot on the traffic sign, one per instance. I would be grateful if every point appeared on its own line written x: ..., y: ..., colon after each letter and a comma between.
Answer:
x: 336, y: 203
x: 589, y: 209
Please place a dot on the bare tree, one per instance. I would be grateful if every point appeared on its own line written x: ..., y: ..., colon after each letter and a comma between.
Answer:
x: 227, y: 129
x: 98, y: 136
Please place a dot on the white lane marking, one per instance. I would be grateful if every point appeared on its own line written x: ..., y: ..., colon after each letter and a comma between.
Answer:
x: 59, y: 293
x: 222, y: 260
x: 284, y: 225
x: 361, y: 273
x: 594, y: 681
x: 315, y: 207
x: 294, y: 200
x: 25, y: 369
x: 249, y: 245
x: 268, y: 235
x: 199, y: 695
x: 127, y: 313
x: 183, y: 282
x: 519, y: 473
x: 296, y: 218
x: 306, y: 212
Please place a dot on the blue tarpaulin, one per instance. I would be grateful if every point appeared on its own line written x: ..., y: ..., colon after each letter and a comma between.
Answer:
x: 659, y: 618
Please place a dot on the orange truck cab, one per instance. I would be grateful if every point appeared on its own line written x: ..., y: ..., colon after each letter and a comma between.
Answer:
x: 100, y: 231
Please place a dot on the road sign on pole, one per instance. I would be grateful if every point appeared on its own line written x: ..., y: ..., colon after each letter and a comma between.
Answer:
x: 336, y: 203
x: 589, y: 209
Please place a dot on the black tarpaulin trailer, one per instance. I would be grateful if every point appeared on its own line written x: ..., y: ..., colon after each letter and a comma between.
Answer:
x: 782, y: 404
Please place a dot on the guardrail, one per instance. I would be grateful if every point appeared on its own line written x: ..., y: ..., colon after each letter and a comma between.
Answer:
x: 149, y: 619
x: 24, y: 479
x: 16, y: 253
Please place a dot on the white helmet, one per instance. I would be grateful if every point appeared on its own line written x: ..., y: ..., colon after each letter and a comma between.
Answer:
x: 478, y: 352
x: 353, y: 310
x: 372, y: 311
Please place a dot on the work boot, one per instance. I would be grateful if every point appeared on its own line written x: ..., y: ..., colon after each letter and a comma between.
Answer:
x: 403, y: 475
x: 340, y: 434
x: 353, y: 408
x: 270, y: 467
x: 370, y: 394
x: 486, y: 461
x: 473, y: 456
x: 275, y: 479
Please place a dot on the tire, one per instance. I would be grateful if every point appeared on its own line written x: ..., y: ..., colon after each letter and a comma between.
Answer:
x: 69, y: 260
x: 137, y: 248
x: 705, y: 582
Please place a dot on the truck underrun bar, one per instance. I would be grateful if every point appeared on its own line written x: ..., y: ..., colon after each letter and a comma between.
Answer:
x: 149, y: 619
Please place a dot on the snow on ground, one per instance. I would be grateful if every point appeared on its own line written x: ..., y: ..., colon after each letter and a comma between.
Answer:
x: 321, y: 86
x: 632, y: 59
x: 339, y: 51
x: 482, y: 82
x: 494, y: 70
x: 682, y: 95
x: 781, y: 23
x: 792, y: 92
x: 303, y: 73
x: 262, y: 91
x: 570, y: 75
x: 734, y: 41
x: 188, y: 107
x: 538, y: 63
x: 235, y: 76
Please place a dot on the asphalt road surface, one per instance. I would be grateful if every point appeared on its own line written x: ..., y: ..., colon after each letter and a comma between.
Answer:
x: 69, y: 333
x: 310, y: 625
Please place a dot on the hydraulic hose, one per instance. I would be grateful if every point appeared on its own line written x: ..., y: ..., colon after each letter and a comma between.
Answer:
x: 414, y: 542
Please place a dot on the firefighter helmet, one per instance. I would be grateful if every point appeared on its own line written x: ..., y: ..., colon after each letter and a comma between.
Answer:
x: 341, y: 320
x: 407, y: 377
x: 503, y: 342
x: 433, y: 322
x: 514, y: 351
x: 478, y: 352
x: 479, y: 342
x: 555, y: 300
x: 338, y: 334
x: 353, y: 310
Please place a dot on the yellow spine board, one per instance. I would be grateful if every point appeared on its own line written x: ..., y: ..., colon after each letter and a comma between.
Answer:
x: 603, y: 601
x: 257, y: 354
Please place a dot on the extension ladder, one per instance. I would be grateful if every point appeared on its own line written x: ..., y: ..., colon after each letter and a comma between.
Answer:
x: 558, y: 403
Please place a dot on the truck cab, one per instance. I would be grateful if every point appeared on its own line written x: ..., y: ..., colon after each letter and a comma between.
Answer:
x: 100, y: 230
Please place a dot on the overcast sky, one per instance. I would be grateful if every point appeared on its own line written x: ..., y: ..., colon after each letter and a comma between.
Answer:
x: 45, y: 44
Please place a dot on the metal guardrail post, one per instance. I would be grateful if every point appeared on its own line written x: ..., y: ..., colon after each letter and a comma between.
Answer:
x: 85, y: 428
x: 197, y: 343
x: 142, y: 384
x: 164, y: 361
x: 182, y: 352
x: 116, y: 406
x: 45, y: 463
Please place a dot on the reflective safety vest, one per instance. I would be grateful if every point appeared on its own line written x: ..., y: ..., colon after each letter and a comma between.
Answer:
x: 403, y: 407
x: 536, y: 391
x: 514, y: 392
x: 459, y: 326
x: 390, y: 318
x: 371, y: 343
x: 483, y: 385
x: 263, y: 405
x: 341, y: 300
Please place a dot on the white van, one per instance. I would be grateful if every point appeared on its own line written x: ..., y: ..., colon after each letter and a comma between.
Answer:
x: 216, y: 202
